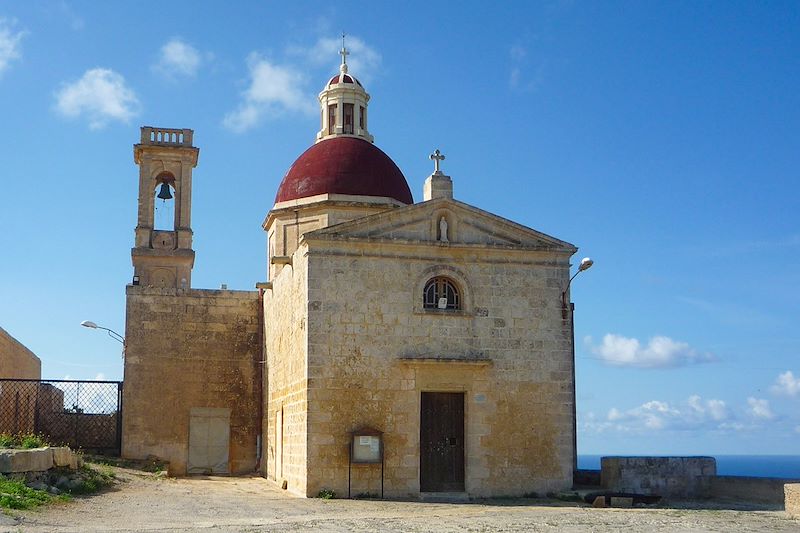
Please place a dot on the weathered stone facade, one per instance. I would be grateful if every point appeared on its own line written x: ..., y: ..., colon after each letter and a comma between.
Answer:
x: 348, y: 315
x: 17, y: 361
x: 190, y: 349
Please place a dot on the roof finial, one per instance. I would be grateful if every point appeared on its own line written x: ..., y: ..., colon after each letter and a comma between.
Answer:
x: 344, y: 53
x: 437, y: 158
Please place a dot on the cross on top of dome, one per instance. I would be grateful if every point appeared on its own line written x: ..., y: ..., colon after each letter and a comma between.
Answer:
x: 344, y: 53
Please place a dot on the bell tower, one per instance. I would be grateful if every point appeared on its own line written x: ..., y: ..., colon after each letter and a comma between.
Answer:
x: 162, y: 254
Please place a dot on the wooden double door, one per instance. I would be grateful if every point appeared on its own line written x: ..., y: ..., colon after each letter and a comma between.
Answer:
x: 441, y: 442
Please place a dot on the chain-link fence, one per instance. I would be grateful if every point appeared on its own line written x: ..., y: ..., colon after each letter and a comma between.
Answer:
x: 81, y: 414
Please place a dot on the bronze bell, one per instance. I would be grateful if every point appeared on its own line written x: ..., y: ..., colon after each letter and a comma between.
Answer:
x: 164, y: 193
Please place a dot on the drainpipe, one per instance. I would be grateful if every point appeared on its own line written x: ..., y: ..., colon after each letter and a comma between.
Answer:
x: 260, y: 362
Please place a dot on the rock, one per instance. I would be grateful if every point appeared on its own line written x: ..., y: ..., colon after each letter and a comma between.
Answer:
x: 599, y: 502
x: 75, y: 461
x: 33, y: 460
x: 62, y: 482
x: 62, y: 456
x: 618, y: 501
x: 54, y: 491
x: 74, y: 483
x: 38, y: 485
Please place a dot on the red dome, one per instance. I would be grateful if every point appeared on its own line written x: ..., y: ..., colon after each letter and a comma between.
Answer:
x: 344, y: 165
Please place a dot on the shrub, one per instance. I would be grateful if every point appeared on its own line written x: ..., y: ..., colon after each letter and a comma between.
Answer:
x: 22, y: 440
x: 326, y: 494
x: 31, y: 440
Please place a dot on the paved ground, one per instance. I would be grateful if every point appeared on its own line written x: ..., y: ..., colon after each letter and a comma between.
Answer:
x: 146, y: 504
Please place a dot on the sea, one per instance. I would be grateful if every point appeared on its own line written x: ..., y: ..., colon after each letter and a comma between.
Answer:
x: 781, y: 466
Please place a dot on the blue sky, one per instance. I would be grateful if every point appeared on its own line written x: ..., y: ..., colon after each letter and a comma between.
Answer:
x: 662, y: 139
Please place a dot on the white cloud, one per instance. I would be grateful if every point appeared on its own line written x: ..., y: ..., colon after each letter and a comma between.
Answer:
x: 178, y: 58
x: 787, y: 384
x: 100, y: 377
x: 714, y: 409
x: 9, y: 43
x: 100, y: 95
x: 695, y: 413
x: 759, y: 409
x: 273, y: 89
x: 653, y: 414
x: 363, y: 61
x: 660, y: 352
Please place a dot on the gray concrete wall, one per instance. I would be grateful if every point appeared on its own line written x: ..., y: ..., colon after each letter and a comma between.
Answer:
x: 750, y: 489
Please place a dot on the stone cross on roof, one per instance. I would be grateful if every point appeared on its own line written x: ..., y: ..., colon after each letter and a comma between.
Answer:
x: 437, y: 157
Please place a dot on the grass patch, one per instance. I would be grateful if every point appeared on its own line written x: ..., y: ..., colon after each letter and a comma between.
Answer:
x: 151, y: 464
x: 14, y: 494
x: 91, y: 480
x: 326, y: 494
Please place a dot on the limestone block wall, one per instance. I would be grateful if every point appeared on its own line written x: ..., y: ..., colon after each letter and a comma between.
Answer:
x: 751, y: 489
x: 17, y: 361
x: 187, y: 349
x: 286, y: 225
x: 285, y: 328
x: 792, y: 499
x: 17, y: 399
x: 373, y: 349
x: 677, y: 477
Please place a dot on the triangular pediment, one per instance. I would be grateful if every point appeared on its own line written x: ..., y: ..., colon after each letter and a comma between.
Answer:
x: 423, y: 222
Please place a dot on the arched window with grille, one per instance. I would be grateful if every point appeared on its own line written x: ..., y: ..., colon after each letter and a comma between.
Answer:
x: 441, y: 293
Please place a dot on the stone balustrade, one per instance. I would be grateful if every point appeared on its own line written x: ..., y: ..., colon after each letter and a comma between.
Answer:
x: 166, y: 136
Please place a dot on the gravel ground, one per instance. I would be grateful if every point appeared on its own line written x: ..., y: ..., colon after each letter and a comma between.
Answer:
x: 142, y: 503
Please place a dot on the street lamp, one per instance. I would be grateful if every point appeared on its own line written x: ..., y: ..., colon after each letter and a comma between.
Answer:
x: 111, y: 333
x: 586, y: 264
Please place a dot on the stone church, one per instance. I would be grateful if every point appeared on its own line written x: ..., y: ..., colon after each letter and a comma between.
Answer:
x: 396, y: 348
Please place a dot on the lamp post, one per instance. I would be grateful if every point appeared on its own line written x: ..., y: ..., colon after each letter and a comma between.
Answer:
x: 111, y: 333
x: 568, y: 310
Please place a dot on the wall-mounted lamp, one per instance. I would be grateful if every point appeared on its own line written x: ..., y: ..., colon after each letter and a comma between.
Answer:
x: 111, y: 333
x: 586, y: 264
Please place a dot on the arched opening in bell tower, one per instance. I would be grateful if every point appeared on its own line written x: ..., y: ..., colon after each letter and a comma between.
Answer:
x: 164, y: 202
